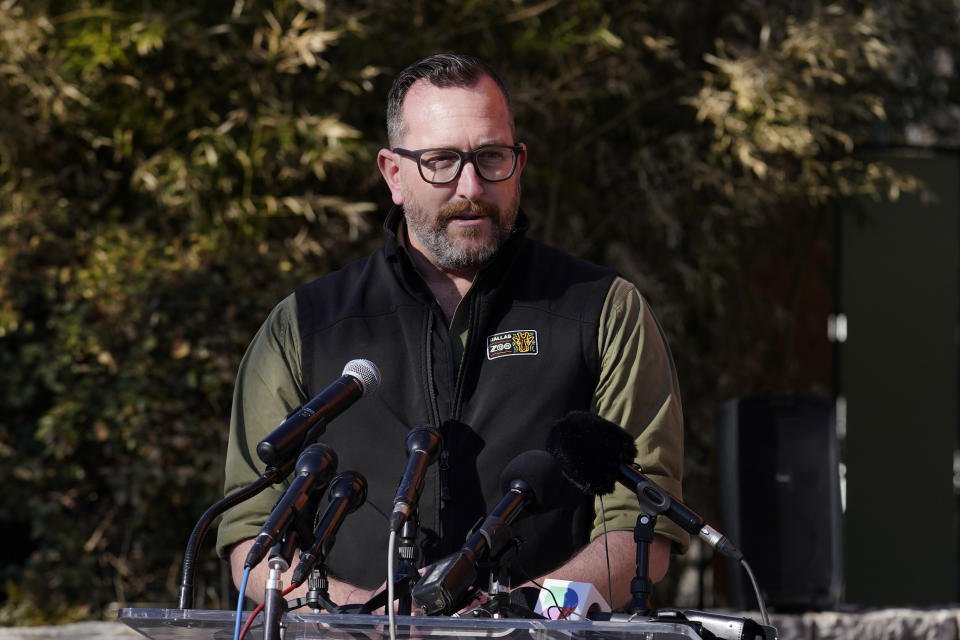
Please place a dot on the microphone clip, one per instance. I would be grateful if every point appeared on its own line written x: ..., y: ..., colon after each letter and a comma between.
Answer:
x: 653, y: 500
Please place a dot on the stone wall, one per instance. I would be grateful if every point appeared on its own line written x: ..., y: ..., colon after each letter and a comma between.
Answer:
x: 882, y: 624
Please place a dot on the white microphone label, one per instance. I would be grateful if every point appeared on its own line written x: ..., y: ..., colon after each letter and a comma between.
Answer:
x: 566, y: 600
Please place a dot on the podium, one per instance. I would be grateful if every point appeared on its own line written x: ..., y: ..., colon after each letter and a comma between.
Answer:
x: 194, y: 624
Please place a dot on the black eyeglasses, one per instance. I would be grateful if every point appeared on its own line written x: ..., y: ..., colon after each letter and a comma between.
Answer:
x: 493, y: 162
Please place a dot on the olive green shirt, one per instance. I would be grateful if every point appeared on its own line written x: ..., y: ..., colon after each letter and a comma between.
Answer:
x: 637, y: 389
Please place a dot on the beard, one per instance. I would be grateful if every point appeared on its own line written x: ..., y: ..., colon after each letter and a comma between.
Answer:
x: 457, y: 249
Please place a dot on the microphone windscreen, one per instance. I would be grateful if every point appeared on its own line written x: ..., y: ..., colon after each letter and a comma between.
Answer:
x: 540, y: 471
x: 364, y: 372
x: 590, y: 451
x: 317, y: 459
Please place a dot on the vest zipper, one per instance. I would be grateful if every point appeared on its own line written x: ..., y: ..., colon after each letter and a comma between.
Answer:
x: 427, y: 364
x: 444, y: 465
x: 472, y: 329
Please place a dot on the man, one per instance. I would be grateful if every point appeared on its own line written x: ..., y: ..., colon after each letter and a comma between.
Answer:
x: 478, y: 331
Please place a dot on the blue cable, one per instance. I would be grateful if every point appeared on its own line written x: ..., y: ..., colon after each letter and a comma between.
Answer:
x: 243, y: 590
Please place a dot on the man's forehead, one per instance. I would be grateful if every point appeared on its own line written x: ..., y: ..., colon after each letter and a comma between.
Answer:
x: 427, y: 105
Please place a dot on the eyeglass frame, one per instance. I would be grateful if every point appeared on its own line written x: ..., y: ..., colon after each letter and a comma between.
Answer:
x: 465, y: 157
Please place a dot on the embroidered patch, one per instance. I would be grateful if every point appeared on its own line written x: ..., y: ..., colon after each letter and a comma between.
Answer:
x: 512, y: 343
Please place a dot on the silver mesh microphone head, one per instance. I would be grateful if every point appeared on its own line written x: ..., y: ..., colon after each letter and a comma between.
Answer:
x: 365, y: 372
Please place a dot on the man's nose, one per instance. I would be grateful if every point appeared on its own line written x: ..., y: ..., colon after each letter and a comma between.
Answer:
x: 469, y: 184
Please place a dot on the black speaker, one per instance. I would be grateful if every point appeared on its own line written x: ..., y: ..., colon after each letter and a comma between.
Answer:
x: 779, y: 483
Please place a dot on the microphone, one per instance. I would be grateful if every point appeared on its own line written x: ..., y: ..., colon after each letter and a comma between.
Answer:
x: 315, y: 466
x: 595, y: 453
x: 530, y: 480
x: 348, y: 492
x: 423, y: 444
x: 309, y: 421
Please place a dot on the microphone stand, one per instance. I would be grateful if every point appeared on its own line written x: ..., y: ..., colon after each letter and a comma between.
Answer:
x: 318, y: 596
x: 652, y: 504
x: 274, y: 605
x: 640, y: 585
x: 271, y: 476
x: 407, y: 553
x: 499, y: 604
x: 404, y: 578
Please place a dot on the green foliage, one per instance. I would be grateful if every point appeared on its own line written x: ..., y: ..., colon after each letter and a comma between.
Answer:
x: 161, y: 177
x: 168, y: 173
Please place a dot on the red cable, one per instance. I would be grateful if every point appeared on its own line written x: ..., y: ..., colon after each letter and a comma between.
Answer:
x: 256, y: 612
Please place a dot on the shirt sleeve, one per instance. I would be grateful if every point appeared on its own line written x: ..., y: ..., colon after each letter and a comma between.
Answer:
x: 269, y: 386
x: 638, y: 389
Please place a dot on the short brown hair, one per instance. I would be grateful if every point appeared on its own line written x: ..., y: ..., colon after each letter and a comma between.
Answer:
x: 441, y: 70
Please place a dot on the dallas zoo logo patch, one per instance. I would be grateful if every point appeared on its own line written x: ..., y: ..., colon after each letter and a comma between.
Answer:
x: 512, y: 343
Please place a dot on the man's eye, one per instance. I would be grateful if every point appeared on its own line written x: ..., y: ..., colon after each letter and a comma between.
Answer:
x: 492, y: 155
x: 439, y: 160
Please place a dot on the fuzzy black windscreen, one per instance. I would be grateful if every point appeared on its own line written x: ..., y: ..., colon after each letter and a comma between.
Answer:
x: 590, y: 451
x: 540, y: 471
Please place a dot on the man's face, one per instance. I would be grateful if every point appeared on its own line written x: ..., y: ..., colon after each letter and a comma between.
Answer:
x: 458, y: 226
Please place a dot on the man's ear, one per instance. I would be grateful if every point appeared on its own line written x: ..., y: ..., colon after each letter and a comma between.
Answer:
x: 521, y: 159
x: 388, y: 162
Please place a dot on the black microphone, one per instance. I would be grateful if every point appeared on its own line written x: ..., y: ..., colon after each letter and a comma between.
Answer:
x: 348, y: 492
x: 359, y: 378
x: 315, y: 466
x: 595, y: 453
x: 530, y: 480
x: 423, y: 444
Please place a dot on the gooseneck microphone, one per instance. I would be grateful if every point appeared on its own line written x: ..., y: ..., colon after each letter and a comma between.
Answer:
x: 294, y: 431
x: 315, y: 466
x: 594, y: 454
x: 348, y: 492
x: 529, y: 481
x: 423, y: 445
x: 359, y: 378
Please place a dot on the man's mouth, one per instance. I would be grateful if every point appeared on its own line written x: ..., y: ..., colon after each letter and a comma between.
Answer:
x: 468, y: 215
x: 466, y: 212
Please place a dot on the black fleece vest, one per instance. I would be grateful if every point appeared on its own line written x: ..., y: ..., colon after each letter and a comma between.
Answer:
x: 531, y: 357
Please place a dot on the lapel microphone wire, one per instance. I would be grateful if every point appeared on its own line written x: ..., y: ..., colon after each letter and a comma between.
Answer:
x: 606, y: 550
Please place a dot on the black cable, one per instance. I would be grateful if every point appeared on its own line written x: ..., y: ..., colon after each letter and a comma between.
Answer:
x: 756, y: 591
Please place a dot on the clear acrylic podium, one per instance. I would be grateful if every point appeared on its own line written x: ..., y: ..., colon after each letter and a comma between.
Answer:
x: 196, y: 624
